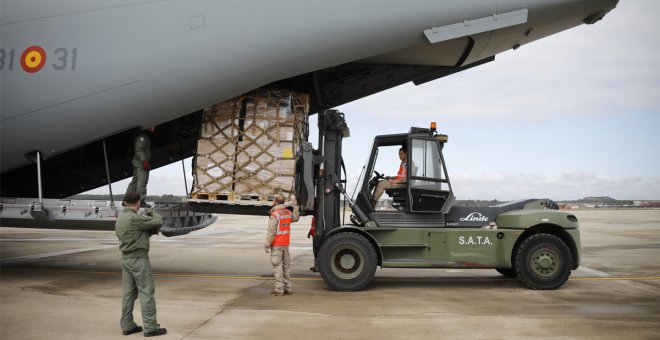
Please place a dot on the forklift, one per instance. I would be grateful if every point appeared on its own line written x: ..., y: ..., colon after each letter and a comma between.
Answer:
x: 530, y: 240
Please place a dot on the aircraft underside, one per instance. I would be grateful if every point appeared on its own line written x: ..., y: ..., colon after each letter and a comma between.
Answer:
x: 83, y: 168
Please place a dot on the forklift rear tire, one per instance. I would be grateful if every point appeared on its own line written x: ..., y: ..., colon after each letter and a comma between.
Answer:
x: 347, y: 262
x: 543, y: 261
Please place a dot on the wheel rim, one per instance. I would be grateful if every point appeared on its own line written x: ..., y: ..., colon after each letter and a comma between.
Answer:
x: 545, y: 262
x: 347, y: 262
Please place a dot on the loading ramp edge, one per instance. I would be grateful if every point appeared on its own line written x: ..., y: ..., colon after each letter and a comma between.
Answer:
x: 93, y: 215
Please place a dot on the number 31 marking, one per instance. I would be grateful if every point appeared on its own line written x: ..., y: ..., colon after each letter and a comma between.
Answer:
x: 62, y: 55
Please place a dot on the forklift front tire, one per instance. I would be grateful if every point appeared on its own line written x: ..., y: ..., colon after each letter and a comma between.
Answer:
x: 347, y: 262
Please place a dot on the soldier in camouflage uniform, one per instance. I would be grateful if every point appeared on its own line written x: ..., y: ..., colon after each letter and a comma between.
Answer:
x: 277, y: 243
x: 141, y: 166
x: 133, y: 231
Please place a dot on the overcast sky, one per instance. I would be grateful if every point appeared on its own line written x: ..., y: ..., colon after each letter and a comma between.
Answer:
x: 575, y: 114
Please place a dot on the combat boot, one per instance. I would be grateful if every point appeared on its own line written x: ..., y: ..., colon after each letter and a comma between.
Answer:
x: 159, y: 331
x: 131, y: 331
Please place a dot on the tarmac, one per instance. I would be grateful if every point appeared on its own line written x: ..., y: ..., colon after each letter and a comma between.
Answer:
x: 215, y: 283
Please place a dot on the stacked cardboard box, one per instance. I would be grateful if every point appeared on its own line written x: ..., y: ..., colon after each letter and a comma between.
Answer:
x: 246, y: 151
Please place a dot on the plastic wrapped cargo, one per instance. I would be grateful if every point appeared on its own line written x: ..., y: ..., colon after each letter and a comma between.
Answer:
x: 246, y: 151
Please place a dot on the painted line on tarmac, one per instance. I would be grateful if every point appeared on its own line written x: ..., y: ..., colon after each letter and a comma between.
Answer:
x: 615, y: 278
x: 253, y: 277
x: 605, y: 276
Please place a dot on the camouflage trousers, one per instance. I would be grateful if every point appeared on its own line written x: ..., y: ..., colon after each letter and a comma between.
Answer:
x: 139, y: 182
x: 136, y: 278
x: 281, y: 261
x: 382, y: 185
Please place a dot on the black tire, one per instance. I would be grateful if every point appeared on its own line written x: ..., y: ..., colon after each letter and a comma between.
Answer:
x: 508, y: 272
x: 347, y: 262
x: 543, y: 261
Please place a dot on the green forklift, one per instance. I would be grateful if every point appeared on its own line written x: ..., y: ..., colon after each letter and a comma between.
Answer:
x: 531, y: 240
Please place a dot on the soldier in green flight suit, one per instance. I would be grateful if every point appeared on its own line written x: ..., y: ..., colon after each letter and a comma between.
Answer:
x: 141, y: 166
x: 133, y: 231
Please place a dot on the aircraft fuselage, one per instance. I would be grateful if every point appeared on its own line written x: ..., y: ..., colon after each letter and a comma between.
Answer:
x: 75, y: 72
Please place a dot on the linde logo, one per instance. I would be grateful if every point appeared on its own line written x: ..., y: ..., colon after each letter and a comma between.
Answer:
x: 474, y: 217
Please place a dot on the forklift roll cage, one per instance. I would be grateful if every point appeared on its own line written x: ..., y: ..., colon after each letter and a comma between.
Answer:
x: 426, y: 173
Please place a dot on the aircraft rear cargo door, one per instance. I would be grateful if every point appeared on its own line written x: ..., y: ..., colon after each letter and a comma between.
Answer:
x: 426, y: 192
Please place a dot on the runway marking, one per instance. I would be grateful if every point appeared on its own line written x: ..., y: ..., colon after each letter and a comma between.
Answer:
x: 615, y: 278
x: 252, y: 277
x: 604, y: 276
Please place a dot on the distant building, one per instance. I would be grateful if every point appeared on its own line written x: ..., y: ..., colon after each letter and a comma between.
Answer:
x: 574, y: 206
x: 648, y: 203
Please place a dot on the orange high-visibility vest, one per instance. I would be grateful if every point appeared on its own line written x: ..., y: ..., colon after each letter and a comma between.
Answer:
x: 402, y: 174
x: 283, y: 233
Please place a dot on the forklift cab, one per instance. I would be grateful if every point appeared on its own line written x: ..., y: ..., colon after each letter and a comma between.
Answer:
x: 428, y: 189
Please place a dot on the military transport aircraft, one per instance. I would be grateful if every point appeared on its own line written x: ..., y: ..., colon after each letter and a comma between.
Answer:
x: 80, y: 77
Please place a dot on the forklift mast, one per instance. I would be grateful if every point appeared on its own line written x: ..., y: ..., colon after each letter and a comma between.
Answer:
x: 319, y: 174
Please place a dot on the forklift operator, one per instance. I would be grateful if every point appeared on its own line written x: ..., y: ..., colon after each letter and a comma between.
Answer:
x: 393, y: 182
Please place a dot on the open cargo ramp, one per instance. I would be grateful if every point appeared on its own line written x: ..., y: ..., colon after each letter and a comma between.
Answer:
x: 93, y: 215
